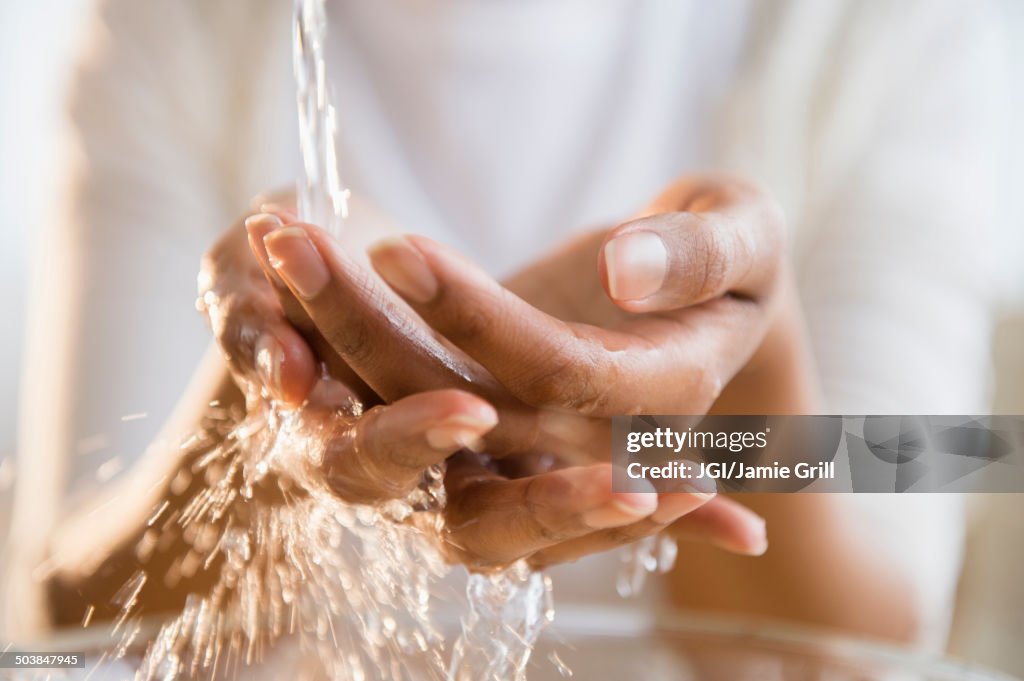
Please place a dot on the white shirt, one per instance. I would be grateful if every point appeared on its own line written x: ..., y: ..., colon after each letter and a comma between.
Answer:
x: 502, y: 127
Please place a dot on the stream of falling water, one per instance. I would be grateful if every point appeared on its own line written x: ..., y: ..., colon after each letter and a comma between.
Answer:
x: 322, y: 196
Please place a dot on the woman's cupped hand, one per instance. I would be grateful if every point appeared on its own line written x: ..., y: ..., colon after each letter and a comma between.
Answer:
x: 512, y: 383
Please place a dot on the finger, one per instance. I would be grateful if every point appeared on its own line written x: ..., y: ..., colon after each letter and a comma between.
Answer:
x: 381, y: 340
x: 284, y: 364
x: 384, y: 453
x: 283, y: 209
x: 541, y: 360
x: 726, y: 524
x: 704, y: 240
x: 549, y: 363
x: 248, y: 324
x: 671, y: 507
x: 258, y: 227
x: 276, y: 201
x: 494, y: 521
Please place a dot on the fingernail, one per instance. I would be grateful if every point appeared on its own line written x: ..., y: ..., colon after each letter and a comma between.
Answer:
x: 459, y: 432
x: 297, y: 260
x: 761, y: 545
x: 271, y: 207
x: 676, y: 504
x: 704, y: 488
x: 403, y: 267
x: 269, y: 358
x: 258, y: 227
x: 262, y: 224
x: 623, y: 509
x: 636, y: 264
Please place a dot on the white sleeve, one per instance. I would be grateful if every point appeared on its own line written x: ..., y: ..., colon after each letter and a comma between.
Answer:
x: 896, y: 254
x: 897, y: 245
x: 878, y: 126
x: 113, y: 330
x: 114, y: 310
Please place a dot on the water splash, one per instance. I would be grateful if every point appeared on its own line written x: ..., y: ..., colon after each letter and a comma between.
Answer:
x: 507, y: 613
x: 652, y: 555
x: 353, y: 588
x: 349, y: 585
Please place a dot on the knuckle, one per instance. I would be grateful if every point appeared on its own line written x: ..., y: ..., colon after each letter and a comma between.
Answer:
x: 551, y: 388
x: 479, y: 550
x: 534, y: 515
x: 714, y: 252
x: 351, y: 338
x: 392, y: 457
x: 468, y: 319
x: 406, y: 458
x: 353, y: 470
x: 543, y: 532
x: 235, y: 324
x: 572, y: 381
x: 745, y: 249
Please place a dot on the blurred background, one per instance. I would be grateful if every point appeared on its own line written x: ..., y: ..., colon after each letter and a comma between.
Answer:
x: 37, y: 41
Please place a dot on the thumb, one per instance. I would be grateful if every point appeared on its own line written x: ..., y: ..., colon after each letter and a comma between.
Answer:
x: 680, y: 259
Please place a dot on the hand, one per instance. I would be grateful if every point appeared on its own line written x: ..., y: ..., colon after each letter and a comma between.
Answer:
x: 321, y: 276
x: 255, y: 320
x: 704, y: 246
x: 491, y: 519
x: 678, y: 305
x: 383, y: 454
